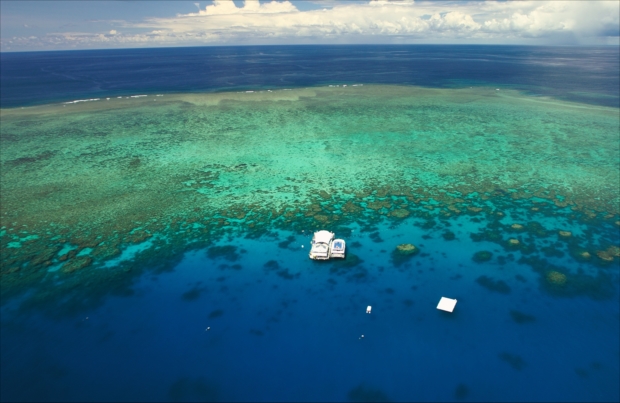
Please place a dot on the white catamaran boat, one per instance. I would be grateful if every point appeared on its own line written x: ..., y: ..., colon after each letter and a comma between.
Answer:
x: 324, y: 246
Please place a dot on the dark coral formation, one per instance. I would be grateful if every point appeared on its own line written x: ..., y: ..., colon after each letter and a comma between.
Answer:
x: 461, y: 391
x: 364, y: 393
x: 228, y: 252
x: 514, y: 360
x: 194, y: 390
x: 559, y: 282
x: 498, y: 286
x: 521, y: 318
x: 448, y: 236
x: 482, y: 256
x: 403, y: 253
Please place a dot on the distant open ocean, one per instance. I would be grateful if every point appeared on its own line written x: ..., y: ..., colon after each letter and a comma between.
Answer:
x: 158, y: 206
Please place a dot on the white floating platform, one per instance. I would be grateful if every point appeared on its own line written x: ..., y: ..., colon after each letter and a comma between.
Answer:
x: 446, y: 304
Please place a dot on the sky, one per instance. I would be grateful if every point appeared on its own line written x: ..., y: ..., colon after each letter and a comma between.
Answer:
x: 64, y: 25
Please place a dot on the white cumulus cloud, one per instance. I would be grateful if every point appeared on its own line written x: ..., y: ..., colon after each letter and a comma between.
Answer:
x: 375, y: 21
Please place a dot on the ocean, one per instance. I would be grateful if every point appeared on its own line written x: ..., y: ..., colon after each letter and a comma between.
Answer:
x: 158, y: 207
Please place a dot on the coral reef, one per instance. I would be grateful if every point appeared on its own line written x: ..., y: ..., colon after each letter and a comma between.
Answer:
x: 448, y: 236
x: 363, y: 393
x: 607, y: 255
x: 194, y: 390
x: 536, y: 228
x: 407, y: 249
x: 399, y: 213
x: 228, y: 252
x: 521, y: 318
x: 565, y: 234
x: 559, y: 282
x: 556, y: 278
x: 403, y: 253
x: 514, y: 360
x: 178, y: 204
x: 498, y: 286
x: 482, y: 256
x: 76, y: 264
x: 579, y: 254
x: 461, y: 392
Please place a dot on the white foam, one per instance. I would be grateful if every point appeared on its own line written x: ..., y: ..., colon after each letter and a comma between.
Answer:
x: 139, y: 96
x: 83, y: 100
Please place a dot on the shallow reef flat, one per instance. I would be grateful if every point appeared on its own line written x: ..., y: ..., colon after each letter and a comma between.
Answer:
x: 128, y: 183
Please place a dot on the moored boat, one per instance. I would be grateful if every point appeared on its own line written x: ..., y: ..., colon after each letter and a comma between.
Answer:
x: 321, y: 245
x: 338, y: 248
x: 325, y: 247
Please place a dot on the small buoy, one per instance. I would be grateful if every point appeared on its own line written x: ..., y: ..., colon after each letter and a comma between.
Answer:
x: 208, y: 328
x: 368, y: 309
x: 302, y: 246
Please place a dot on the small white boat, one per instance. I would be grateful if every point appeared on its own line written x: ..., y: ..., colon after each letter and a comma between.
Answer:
x: 321, y: 245
x: 338, y: 247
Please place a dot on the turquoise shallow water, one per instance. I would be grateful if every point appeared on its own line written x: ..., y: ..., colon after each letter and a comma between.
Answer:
x: 130, y: 226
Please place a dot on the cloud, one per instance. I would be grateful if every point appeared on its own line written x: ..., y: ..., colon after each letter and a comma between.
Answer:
x: 227, y: 7
x: 375, y: 21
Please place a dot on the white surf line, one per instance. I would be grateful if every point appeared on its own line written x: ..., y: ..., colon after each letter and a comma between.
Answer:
x: 107, y: 99
x: 82, y: 100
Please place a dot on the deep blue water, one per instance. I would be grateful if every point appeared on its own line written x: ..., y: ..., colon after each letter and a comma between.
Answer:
x: 297, y: 336
x: 584, y: 74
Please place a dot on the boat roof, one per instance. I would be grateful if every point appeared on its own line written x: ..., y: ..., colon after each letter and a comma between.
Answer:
x: 323, y: 236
